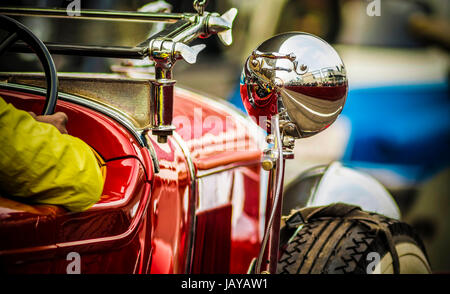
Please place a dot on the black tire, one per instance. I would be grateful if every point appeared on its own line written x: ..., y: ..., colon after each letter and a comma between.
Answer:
x: 341, y: 246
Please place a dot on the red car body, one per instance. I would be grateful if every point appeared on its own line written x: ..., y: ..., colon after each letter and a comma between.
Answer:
x: 203, y: 212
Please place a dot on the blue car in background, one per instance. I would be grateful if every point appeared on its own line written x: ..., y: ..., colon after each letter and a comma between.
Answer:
x: 404, y: 128
x: 398, y: 106
x: 399, y: 133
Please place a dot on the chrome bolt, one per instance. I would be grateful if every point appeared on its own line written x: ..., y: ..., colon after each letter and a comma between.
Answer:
x: 267, y: 164
x: 288, y: 141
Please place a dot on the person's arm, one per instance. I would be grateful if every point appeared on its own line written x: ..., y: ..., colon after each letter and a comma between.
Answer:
x: 43, y: 165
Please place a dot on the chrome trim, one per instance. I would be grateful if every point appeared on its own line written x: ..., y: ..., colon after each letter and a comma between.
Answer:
x: 187, y: 154
x: 154, y: 157
x: 193, y: 198
x: 278, y: 171
x: 129, y: 16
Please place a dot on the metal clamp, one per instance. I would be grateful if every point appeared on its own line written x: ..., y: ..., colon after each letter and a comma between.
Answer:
x: 257, y: 65
x: 162, y: 108
x: 200, y: 5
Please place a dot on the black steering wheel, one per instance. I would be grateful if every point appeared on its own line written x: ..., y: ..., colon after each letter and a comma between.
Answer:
x: 17, y: 31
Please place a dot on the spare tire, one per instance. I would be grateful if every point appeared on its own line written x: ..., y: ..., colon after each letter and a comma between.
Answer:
x: 341, y: 244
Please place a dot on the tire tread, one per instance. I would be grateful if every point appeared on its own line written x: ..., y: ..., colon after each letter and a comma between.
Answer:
x: 337, y: 245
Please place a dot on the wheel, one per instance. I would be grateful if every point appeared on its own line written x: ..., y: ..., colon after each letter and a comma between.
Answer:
x: 16, y: 31
x: 342, y: 244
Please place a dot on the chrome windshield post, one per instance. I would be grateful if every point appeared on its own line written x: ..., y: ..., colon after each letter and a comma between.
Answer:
x: 170, y: 45
x: 162, y: 109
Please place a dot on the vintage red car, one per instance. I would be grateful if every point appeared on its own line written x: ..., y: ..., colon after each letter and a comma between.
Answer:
x: 190, y: 185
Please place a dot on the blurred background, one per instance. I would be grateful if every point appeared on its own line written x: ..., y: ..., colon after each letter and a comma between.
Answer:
x: 395, y: 124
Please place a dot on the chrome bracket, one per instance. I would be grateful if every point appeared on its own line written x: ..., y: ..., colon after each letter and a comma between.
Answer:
x: 271, y: 154
x: 167, y: 47
x: 162, y: 109
x: 199, y: 6
x: 257, y: 61
x: 281, y: 147
x: 273, y: 157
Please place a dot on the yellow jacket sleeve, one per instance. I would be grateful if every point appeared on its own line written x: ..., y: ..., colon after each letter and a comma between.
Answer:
x: 43, y: 165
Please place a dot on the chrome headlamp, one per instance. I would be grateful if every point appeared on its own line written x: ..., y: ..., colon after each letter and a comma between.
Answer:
x: 298, y: 76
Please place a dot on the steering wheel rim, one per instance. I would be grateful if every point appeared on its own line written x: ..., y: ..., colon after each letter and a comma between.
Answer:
x: 18, y: 31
